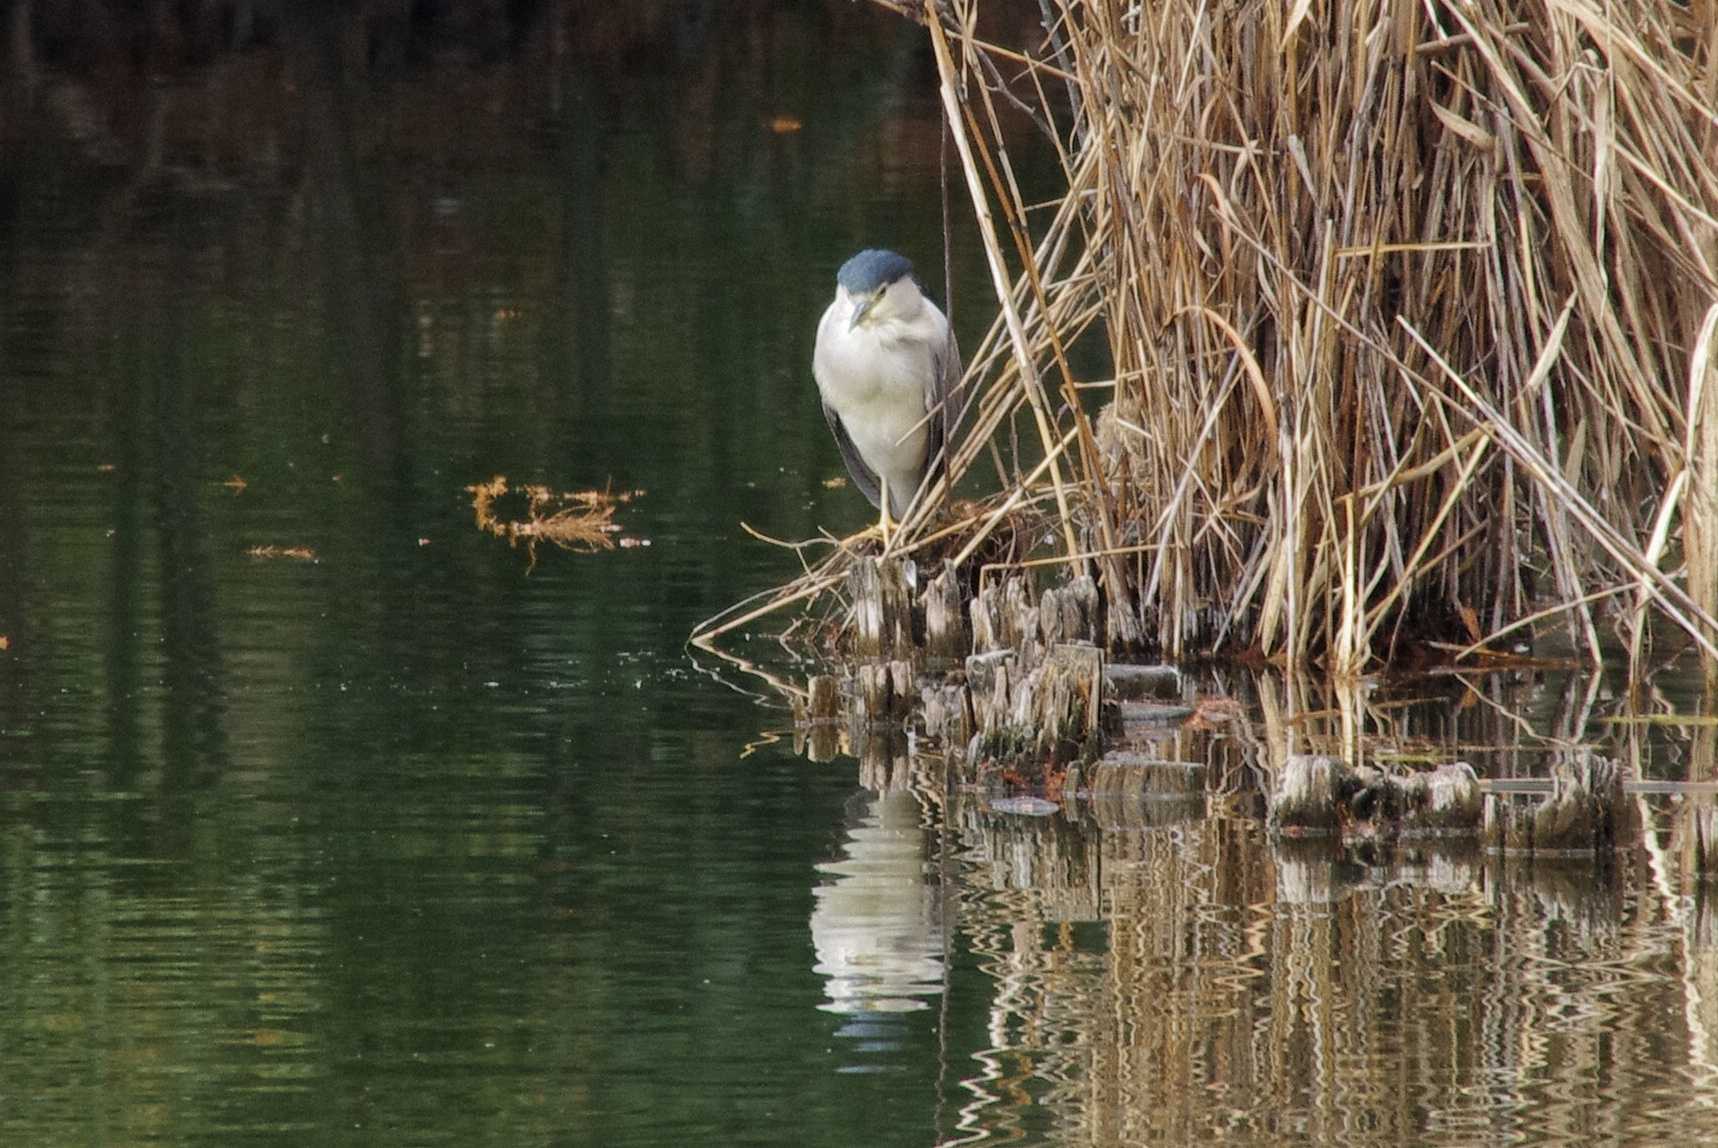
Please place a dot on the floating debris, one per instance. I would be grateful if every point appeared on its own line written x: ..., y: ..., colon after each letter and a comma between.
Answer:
x: 236, y: 484
x: 581, y: 521
x: 298, y: 553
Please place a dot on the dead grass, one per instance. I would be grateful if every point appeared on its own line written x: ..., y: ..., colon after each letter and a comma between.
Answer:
x: 1411, y: 309
x: 580, y: 521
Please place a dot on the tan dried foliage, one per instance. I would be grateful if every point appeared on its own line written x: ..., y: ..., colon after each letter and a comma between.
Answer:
x: 1410, y: 306
x: 581, y: 521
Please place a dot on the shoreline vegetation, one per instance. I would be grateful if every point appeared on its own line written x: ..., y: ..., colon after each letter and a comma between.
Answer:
x: 1411, y: 311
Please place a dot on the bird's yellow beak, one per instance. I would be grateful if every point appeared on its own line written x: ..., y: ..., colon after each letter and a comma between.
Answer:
x: 863, y: 311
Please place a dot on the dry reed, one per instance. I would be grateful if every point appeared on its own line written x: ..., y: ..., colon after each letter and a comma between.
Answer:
x: 1411, y: 309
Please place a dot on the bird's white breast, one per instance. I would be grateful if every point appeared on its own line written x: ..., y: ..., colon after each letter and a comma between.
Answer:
x: 876, y: 376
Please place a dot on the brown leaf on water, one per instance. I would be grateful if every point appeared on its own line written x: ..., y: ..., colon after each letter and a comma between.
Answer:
x: 5, y: 642
x: 298, y: 553
x: 835, y: 483
x: 235, y: 484
x: 581, y: 521
x: 785, y: 125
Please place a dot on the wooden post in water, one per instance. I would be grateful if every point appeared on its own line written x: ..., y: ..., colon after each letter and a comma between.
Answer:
x: 1586, y: 812
x: 1303, y: 801
x: 882, y: 607
x: 945, y: 623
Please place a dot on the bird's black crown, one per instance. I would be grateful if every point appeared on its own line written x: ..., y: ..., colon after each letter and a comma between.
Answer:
x: 871, y: 269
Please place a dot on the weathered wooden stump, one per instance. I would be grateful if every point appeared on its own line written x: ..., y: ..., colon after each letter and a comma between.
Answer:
x: 1069, y: 613
x: 1445, y: 802
x: 822, y: 703
x: 1131, y: 682
x: 1584, y: 813
x: 882, y: 607
x: 1036, y: 718
x: 948, y: 713
x: 1315, y: 796
x: 1005, y: 618
x: 945, y: 622
x: 1303, y: 801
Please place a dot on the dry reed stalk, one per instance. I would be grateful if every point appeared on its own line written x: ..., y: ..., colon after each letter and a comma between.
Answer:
x: 1410, y: 309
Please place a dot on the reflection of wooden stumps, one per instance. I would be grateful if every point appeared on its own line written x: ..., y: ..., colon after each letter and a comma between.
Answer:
x: 1307, y: 871
x: 1705, y: 818
x: 882, y: 692
x: 945, y: 624
x: 1303, y: 801
x: 882, y: 607
x: 1136, y: 790
x: 884, y: 765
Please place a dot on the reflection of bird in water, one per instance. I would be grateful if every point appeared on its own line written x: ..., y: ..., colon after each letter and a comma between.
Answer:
x: 888, y: 370
x: 877, y: 923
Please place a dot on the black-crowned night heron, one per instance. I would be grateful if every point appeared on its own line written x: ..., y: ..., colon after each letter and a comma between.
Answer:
x: 889, y: 371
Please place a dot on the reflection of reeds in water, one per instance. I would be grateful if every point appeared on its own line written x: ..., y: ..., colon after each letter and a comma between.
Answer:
x: 1195, y: 981
x: 1499, y: 1000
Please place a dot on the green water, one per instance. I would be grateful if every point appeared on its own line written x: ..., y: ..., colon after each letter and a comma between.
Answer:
x: 411, y: 843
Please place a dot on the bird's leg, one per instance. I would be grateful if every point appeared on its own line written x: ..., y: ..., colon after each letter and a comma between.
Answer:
x: 883, y: 520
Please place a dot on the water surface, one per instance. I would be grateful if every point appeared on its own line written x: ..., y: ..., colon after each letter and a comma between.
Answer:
x: 410, y: 841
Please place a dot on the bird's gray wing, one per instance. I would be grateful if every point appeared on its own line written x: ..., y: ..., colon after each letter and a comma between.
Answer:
x: 863, y: 476
x: 944, y: 392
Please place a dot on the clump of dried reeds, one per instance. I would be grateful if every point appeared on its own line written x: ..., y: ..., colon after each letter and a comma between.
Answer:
x: 1411, y: 308
x: 581, y: 521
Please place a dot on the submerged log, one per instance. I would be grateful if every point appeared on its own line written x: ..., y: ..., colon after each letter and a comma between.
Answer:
x: 882, y: 607
x: 1139, y: 776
